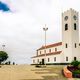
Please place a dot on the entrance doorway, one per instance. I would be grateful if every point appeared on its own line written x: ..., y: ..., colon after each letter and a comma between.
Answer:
x: 42, y: 61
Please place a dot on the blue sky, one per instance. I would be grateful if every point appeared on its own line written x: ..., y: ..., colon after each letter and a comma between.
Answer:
x: 21, y: 26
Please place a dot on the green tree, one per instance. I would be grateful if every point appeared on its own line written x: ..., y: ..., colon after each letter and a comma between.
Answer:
x: 3, y: 56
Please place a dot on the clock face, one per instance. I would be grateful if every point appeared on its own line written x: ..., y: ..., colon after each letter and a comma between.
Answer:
x: 75, y: 17
x: 66, y: 18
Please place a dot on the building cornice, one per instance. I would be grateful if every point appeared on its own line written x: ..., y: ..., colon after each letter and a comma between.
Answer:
x: 48, y: 54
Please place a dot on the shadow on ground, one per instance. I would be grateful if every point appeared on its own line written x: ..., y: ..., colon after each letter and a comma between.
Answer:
x: 49, y: 73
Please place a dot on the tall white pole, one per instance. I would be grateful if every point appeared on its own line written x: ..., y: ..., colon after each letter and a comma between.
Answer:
x: 45, y: 29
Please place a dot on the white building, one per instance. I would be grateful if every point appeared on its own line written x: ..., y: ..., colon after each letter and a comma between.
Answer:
x: 67, y: 50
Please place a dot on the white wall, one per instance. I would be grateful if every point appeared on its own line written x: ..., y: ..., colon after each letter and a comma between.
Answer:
x: 70, y: 36
x: 51, y: 57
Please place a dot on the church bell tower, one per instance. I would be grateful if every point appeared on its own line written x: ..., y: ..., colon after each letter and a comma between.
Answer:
x: 70, y: 35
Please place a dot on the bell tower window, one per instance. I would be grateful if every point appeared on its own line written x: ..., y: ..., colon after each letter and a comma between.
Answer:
x: 74, y: 26
x: 66, y: 27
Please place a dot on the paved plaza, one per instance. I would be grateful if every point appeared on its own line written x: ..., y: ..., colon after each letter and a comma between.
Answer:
x: 28, y: 72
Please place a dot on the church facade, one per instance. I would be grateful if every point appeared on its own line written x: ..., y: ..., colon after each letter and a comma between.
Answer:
x: 67, y: 50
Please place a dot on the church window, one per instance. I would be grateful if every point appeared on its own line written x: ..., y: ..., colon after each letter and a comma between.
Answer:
x: 75, y: 45
x: 37, y: 53
x: 66, y: 58
x: 74, y: 26
x: 54, y: 58
x: 66, y: 27
x: 38, y: 60
x: 49, y: 50
x: 75, y: 58
x: 44, y: 51
x: 66, y: 18
x: 48, y: 59
x: 66, y: 45
x: 40, y: 52
x: 55, y: 49
x: 75, y: 17
x: 33, y: 61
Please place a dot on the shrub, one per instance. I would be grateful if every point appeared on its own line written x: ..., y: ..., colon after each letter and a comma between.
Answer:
x: 76, y: 73
x: 13, y: 63
x: 38, y: 66
x: 79, y: 66
x: 75, y: 63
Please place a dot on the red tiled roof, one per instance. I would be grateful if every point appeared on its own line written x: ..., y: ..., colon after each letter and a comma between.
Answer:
x: 47, y: 54
x: 51, y: 45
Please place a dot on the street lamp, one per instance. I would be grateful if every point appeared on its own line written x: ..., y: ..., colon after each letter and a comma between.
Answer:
x: 45, y: 29
x: 3, y: 46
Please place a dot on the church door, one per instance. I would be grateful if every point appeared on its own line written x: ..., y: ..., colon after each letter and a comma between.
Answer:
x: 42, y: 61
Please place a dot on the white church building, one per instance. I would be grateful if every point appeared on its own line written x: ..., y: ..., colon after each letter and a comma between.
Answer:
x: 67, y: 50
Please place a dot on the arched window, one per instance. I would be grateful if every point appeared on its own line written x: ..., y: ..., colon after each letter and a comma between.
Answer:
x: 38, y: 60
x: 44, y: 51
x: 33, y: 61
x: 74, y: 26
x: 40, y: 52
x: 75, y: 45
x: 66, y: 58
x: 66, y: 27
x: 49, y: 50
x: 54, y: 58
x: 55, y: 49
x: 66, y: 45
x: 48, y: 59
x: 75, y: 58
x: 37, y: 53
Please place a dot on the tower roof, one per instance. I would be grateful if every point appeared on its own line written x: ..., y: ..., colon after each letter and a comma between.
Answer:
x: 70, y: 10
